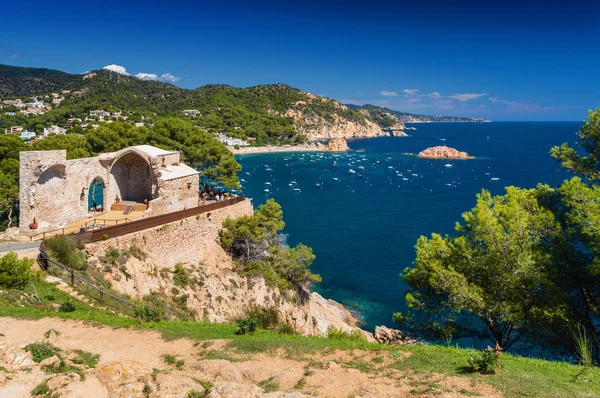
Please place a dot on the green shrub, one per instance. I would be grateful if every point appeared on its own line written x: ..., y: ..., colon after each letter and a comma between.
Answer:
x: 15, y: 273
x: 269, y: 385
x: 485, y: 361
x: 181, y: 277
x: 111, y: 256
x: 41, y: 351
x: 266, y: 318
x: 105, y: 237
x: 41, y: 389
x: 286, y: 329
x: 67, y: 306
x: 335, y: 333
x: 170, y: 359
x: 146, y: 314
x: 67, y: 251
x: 86, y: 358
x: 245, y: 326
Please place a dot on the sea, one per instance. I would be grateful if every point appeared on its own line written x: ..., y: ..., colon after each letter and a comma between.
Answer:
x: 371, y: 205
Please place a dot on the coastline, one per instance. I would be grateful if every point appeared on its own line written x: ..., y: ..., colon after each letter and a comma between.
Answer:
x: 278, y: 149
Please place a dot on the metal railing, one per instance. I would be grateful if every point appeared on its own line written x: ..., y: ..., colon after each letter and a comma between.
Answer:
x: 95, y: 222
x: 44, y: 261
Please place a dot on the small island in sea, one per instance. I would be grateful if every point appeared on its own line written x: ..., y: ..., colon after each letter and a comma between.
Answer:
x: 443, y: 152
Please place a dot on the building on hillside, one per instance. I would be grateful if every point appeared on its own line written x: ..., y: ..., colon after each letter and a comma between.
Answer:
x: 57, y: 192
x: 100, y: 113
x: 27, y: 135
x: 54, y: 129
x: 191, y: 112
x: 71, y: 121
x: 13, y: 130
x: 230, y: 141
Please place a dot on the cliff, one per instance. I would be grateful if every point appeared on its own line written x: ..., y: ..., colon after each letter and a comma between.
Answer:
x: 443, y: 152
x: 389, y: 116
x: 383, y: 117
x: 184, y: 268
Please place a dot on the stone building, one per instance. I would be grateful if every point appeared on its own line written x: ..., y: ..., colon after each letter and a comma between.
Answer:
x: 56, y: 192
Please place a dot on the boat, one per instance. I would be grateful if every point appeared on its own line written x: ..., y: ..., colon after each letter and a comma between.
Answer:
x: 335, y: 179
x: 269, y: 169
x: 266, y: 190
x: 360, y: 176
x: 351, y: 171
x: 494, y: 178
x: 448, y: 165
x: 317, y: 185
x: 361, y: 167
x: 267, y: 183
x: 297, y: 189
x: 414, y: 175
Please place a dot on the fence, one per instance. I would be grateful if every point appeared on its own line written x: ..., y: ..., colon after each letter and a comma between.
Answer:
x: 104, y: 297
x: 96, y: 222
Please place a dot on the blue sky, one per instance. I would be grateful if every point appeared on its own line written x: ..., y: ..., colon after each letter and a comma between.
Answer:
x: 504, y: 61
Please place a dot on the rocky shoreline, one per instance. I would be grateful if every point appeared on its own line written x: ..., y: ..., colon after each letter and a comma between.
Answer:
x: 443, y: 152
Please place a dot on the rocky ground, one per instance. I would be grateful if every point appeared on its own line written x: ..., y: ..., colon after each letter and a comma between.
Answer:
x: 142, y: 364
x: 443, y: 152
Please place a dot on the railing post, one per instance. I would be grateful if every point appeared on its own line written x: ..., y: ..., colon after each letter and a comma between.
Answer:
x: 101, y: 295
x: 72, y: 278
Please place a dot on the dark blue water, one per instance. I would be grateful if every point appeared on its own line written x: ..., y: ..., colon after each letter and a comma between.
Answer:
x: 363, y: 230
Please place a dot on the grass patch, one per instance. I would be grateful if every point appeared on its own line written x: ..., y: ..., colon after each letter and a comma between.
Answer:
x: 269, y: 385
x: 41, y: 351
x: 362, y: 366
x: 41, y: 389
x: 170, y: 359
x: 85, y: 358
x: 470, y: 393
x: 300, y: 384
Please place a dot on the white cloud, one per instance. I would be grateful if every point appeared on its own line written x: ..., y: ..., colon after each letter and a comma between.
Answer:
x: 117, y: 68
x: 467, y: 97
x: 146, y: 76
x: 169, y: 77
x: 389, y: 93
x: 435, y: 94
x: 14, y: 56
x: 410, y: 91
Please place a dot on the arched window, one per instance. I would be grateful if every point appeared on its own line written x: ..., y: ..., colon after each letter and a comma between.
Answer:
x: 96, y: 195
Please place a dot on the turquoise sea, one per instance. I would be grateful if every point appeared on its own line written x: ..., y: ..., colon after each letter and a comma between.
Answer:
x: 363, y: 230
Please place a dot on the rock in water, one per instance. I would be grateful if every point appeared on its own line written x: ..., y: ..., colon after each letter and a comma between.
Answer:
x: 337, y: 145
x: 384, y: 335
x: 444, y: 152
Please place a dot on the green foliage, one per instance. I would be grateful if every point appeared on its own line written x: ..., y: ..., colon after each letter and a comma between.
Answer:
x: 587, y: 166
x: 488, y: 281
x: 85, y: 358
x: 67, y: 306
x: 67, y: 251
x: 339, y: 334
x: 269, y: 385
x: 181, y: 277
x: 286, y: 329
x: 583, y: 351
x: 254, y: 242
x: 170, y: 359
x: 266, y: 318
x: 41, y: 351
x: 485, y: 361
x: 111, y: 256
x: 41, y: 389
x: 15, y: 273
x: 246, y: 326
x: 147, y: 314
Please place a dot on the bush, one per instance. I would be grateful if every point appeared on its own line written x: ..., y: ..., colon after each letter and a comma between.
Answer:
x: 266, y: 318
x: 245, y: 326
x: 486, y: 362
x: 180, y: 276
x: 286, y: 329
x: 15, y: 273
x: 41, y: 351
x: 146, y: 314
x: 67, y: 306
x: 335, y: 333
x: 111, y: 256
x: 66, y: 250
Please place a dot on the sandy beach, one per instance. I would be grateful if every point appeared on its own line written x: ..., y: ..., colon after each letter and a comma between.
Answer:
x: 276, y: 149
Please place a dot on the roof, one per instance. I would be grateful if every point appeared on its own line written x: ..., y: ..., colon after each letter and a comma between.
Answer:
x: 152, y: 150
x: 177, y: 171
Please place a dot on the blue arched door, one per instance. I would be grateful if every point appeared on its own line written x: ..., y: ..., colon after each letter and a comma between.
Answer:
x: 96, y: 195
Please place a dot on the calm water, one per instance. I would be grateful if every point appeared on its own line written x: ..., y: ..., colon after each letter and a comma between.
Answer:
x: 363, y: 230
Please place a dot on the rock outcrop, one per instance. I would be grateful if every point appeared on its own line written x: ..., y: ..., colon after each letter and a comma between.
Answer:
x: 384, y: 335
x: 399, y: 133
x: 444, y: 152
x: 336, y: 145
x: 216, y: 291
x: 332, y: 123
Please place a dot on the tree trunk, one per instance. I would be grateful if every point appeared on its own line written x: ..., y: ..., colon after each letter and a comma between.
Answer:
x: 9, y: 217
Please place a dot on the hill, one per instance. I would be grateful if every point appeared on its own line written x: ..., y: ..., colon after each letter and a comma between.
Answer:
x: 388, y: 116
x: 274, y: 113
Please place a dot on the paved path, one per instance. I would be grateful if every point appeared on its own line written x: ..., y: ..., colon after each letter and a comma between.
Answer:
x: 19, y: 246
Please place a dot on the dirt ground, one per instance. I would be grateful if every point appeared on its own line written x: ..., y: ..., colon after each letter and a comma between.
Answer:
x: 332, y: 374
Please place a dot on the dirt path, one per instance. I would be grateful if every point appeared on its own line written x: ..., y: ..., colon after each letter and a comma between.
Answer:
x: 327, y: 375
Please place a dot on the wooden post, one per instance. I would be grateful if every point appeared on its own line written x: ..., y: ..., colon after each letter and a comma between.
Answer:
x: 101, y: 295
x: 72, y: 278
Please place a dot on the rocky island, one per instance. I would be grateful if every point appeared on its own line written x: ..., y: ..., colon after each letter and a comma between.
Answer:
x: 443, y: 152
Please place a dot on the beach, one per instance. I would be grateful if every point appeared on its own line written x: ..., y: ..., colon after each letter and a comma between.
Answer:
x: 277, y: 149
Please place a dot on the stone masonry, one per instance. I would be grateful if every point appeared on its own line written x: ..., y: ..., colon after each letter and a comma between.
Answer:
x: 54, y: 191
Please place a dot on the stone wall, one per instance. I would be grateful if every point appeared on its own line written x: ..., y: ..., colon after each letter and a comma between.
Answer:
x: 54, y: 191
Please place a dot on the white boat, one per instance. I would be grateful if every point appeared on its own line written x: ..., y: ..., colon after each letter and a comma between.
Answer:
x: 351, y: 171
x: 297, y: 189
x: 267, y: 183
x: 361, y: 167
x: 335, y: 179
x: 494, y: 178
x: 404, y: 179
x: 448, y: 165
x: 266, y: 190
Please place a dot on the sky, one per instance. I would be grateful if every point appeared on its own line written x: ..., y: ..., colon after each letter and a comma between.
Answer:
x: 501, y: 60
